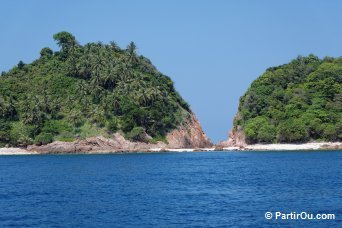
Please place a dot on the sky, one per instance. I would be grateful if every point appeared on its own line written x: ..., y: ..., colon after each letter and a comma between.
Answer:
x: 212, y: 50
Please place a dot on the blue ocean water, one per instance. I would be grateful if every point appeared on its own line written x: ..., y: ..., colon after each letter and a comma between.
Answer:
x: 209, y: 189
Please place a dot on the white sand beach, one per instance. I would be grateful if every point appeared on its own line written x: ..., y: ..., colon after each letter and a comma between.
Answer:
x: 304, y: 146
x: 15, y: 151
x: 181, y: 150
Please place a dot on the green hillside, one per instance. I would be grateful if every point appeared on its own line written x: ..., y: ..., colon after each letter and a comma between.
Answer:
x: 296, y: 102
x: 87, y: 90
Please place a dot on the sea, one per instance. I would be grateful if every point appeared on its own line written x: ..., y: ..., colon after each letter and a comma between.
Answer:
x: 197, y: 189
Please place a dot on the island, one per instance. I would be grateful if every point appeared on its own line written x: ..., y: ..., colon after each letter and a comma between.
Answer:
x: 295, y: 106
x: 93, y: 98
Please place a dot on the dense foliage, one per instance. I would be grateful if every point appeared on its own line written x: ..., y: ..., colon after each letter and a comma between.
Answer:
x: 88, y: 90
x: 296, y: 102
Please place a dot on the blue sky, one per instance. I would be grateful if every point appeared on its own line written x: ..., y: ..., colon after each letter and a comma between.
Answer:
x: 212, y: 50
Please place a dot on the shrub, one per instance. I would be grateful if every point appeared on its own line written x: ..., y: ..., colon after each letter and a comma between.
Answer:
x: 112, y: 125
x: 292, y: 130
x: 330, y: 132
x: 5, y: 128
x: 259, y: 129
x: 157, y: 139
x: 43, y: 138
x: 56, y: 126
x: 22, y: 134
x: 89, y: 130
x: 137, y: 134
x: 266, y: 133
x: 65, y: 137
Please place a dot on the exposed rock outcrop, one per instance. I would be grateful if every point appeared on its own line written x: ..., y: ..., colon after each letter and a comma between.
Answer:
x: 236, y: 138
x: 188, y: 135
x: 117, y: 143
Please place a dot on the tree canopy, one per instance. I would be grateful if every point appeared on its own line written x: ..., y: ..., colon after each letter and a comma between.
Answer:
x: 86, y: 90
x: 295, y: 102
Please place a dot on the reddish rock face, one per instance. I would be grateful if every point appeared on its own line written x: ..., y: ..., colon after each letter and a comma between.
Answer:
x: 188, y: 135
x: 236, y: 138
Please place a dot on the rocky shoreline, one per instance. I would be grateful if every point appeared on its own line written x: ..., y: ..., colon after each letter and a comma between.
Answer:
x: 237, y: 141
x: 188, y: 135
x: 60, y: 148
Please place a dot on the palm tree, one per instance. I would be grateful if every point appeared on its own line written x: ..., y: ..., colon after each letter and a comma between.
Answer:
x: 12, y: 108
x: 96, y: 68
x: 98, y: 116
x: 114, y: 46
x: 122, y: 71
x: 75, y: 117
x: 131, y: 51
x: 144, y: 97
x: 8, y: 107
x: 3, y: 107
x: 85, y: 63
x: 97, y: 93
x: 33, y: 115
x: 109, y: 79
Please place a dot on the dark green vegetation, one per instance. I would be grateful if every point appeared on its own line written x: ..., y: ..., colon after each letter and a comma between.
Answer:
x: 83, y: 91
x: 295, y: 102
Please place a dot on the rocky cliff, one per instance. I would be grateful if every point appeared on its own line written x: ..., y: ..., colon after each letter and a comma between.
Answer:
x: 188, y: 135
x: 236, y: 138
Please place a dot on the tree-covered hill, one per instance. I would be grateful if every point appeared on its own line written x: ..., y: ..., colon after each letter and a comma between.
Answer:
x: 87, y: 90
x: 296, y: 102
